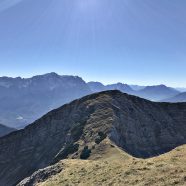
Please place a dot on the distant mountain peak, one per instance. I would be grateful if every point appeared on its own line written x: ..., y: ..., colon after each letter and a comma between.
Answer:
x: 157, y: 86
x: 51, y: 74
x: 38, y: 94
x: 157, y: 92
x: 47, y: 75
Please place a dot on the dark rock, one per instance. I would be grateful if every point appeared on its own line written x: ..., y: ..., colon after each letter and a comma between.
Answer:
x: 41, y: 175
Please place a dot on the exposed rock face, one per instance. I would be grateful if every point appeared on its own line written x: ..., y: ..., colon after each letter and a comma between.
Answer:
x: 42, y: 175
x: 140, y: 127
x: 4, y: 130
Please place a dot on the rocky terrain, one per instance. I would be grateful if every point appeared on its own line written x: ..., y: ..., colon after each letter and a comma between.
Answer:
x: 141, y: 128
x: 4, y: 130
x: 114, y: 167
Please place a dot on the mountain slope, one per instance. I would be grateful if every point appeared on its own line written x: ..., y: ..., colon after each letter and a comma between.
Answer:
x: 115, y: 167
x: 4, y: 130
x: 25, y: 100
x: 139, y: 127
x: 178, y: 98
x: 156, y: 93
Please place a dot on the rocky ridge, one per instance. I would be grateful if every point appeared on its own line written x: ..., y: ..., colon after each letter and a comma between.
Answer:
x: 139, y: 127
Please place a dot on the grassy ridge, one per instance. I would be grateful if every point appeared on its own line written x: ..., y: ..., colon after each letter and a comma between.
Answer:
x: 114, y: 167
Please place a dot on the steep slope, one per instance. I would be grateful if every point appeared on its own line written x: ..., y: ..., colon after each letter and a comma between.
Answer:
x: 4, y: 130
x: 25, y: 100
x: 178, y: 98
x: 139, y: 127
x: 115, y: 167
x: 156, y: 93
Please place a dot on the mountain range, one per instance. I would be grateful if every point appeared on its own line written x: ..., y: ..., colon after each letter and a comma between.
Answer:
x: 153, y: 93
x: 157, y: 93
x: 100, y: 126
x: 23, y: 100
x: 178, y: 98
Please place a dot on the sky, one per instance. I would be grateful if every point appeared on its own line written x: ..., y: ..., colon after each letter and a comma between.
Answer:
x: 130, y: 41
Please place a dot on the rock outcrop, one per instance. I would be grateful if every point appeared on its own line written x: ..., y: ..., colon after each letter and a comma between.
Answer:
x: 139, y: 127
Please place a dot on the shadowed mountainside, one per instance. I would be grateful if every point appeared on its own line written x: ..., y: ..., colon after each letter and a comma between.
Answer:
x: 25, y: 100
x: 178, y: 98
x: 4, y: 130
x: 139, y: 127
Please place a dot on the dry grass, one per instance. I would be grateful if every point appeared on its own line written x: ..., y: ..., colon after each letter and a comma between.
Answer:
x: 114, y: 167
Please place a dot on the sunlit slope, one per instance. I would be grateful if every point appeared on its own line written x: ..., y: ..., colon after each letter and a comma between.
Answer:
x: 115, y: 167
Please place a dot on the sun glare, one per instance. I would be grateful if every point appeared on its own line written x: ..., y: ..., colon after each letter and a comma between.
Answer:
x: 87, y: 5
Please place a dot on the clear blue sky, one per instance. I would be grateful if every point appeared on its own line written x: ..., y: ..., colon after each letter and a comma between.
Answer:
x: 131, y: 41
